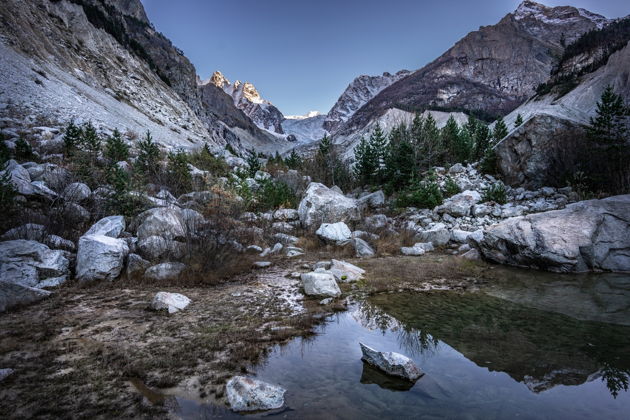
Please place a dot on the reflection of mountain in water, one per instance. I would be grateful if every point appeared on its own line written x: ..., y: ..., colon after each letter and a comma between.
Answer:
x: 538, y: 348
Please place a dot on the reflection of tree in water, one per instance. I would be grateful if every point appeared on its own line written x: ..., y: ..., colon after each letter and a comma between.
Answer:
x: 538, y: 348
x: 413, y: 341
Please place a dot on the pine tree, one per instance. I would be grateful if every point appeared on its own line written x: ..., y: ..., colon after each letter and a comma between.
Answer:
x: 519, y: 121
x: 148, y: 155
x: 7, y: 191
x: 500, y: 130
x: 609, y: 127
x: 119, y: 202
x: 365, y: 161
x: 72, y: 138
x: 23, y: 150
x: 482, y: 140
x: 378, y: 146
x: 116, y: 149
x: 179, y: 174
x: 253, y: 164
x: 430, y: 148
x: 450, y: 139
x: 91, y: 141
x: 325, y: 146
x: 399, y: 164
x: 294, y: 161
x: 609, y: 137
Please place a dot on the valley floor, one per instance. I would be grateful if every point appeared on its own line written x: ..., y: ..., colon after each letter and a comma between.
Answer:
x: 98, y: 351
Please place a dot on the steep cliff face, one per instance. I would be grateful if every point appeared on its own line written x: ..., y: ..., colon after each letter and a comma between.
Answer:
x: 246, y: 98
x: 358, y: 92
x: 101, y: 60
x: 543, y: 150
x: 491, y: 70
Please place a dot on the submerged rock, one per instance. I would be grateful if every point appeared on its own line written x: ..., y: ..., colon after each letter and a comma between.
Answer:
x: 394, y: 364
x: 320, y: 284
x: 248, y: 394
x: 5, y: 373
x: 171, y: 302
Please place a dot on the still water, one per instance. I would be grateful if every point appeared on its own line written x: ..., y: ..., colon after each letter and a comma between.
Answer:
x: 540, y: 349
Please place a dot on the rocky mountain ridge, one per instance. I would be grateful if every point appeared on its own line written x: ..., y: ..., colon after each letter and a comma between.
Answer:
x: 246, y: 98
x: 359, y: 91
x: 490, y: 71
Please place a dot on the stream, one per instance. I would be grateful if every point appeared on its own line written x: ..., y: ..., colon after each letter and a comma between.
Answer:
x: 548, y: 347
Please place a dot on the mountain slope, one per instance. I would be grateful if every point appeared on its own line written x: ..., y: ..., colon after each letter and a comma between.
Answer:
x: 101, y: 60
x: 358, y: 92
x: 491, y: 70
x: 544, y: 149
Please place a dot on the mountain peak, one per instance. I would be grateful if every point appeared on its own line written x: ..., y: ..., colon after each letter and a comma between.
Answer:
x: 555, y: 15
x: 219, y: 80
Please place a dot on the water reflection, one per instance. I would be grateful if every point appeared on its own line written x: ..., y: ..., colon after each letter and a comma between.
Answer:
x: 540, y: 349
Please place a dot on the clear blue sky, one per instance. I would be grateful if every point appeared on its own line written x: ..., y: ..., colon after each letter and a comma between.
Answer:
x: 302, y: 54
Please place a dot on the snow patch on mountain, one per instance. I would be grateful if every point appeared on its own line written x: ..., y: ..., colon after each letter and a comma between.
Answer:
x: 556, y: 15
x: 305, y: 129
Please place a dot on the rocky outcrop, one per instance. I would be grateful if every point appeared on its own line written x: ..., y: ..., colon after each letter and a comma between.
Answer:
x: 323, y: 205
x: 249, y: 394
x: 493, y: 69
x: 31, y: 264
x: 100, y: 257
x: 392, y: 363
x: 585, y: 236
x: 358, y: 92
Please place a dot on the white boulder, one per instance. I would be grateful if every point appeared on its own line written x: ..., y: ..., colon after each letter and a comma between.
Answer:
x: 337, y: 233
x: 323, y: 205
x: 165, y: 271
x: 111, y: 226
x: 391, y: 363
x: 171, y: 302
x: 100, y: 257
x: 320, y: 284
x: 248, y: 394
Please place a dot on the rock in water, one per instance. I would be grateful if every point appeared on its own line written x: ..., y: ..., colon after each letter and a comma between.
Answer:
x: 5, y: 373
x: 320, y: 284
x: 394, y: 364
x: 588, y: 235
x: 171, y: 302
x: 248, y: 394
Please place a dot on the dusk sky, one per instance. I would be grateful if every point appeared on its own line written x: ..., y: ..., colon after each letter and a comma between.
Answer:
x: 301, y: 55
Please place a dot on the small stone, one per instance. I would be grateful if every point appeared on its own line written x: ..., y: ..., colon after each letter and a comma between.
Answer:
x: 326, y: 301
x: 394, y: 364
x: 262, y: 264
x: 5, y: 373
x: 171, y: 302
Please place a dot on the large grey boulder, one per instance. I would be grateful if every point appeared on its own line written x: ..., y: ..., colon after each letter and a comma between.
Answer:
x: 286, y: 215
x: 29, y: 263
x: 100, y: 257
x: 460, y: 204
x: 248, y: 394
x: 12, y: 294
x: 334, y: 233
x: 438, y: 234
x: 585, y: 236
x: 76, y: 192
x: 373, y: 200
x: 362, y: 249
x: 20, y: 178
x: 391, y: 363
x: 136, y: 265
x: 170, y: 302
x: 323, y: 205
x: 166, y: 222
x: 111, y: 226
x: 320, y: 284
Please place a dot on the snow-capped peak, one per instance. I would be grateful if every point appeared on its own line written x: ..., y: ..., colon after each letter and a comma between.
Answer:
x: 309, y: 114
x: 555, y: 15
